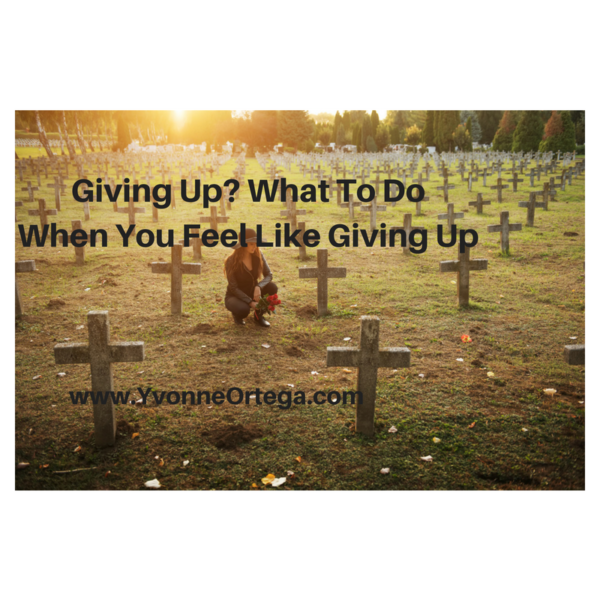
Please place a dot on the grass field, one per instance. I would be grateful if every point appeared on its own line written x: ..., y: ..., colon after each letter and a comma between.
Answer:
x: 525, y: 308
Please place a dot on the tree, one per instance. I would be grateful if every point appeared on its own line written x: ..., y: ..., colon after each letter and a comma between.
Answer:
x: 382, y: 137
x: 337, y: 121
x: 559, y: 133
x: 529, y: 132
x: 374, y: 121
x: 340, y: 140
x: 580, y: 130
x: 264, y: 128
x: 347, y: 121
x: 367, y: 130
x: 475, y: 128
x: 356, y: 134
x: 42, y: 133
x: 488, y: 120
x: 293, y: 127
x: 444, y: 124
x: 462, y: 138
x: 395, y: 135
x: 504, y: 135
x: 123, y: 135
x: 413, y: 135
x: 427, y: 137
x: 371, y: 145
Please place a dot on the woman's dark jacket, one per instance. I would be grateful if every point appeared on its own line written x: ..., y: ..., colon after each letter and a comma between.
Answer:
x: 241, y: 282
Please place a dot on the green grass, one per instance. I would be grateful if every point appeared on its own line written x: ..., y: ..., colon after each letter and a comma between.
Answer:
x: 524, y: 309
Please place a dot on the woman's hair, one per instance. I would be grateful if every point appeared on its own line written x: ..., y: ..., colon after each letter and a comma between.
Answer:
x: 234, y: 260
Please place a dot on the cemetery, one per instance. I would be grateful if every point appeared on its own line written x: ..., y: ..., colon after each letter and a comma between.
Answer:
x: 471, y: 364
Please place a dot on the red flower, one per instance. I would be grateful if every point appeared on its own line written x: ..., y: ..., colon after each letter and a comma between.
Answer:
x: 271, y: 307
x: 277, y: 301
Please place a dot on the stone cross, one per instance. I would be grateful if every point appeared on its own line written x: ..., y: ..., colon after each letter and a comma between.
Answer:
x: 418, y: 205
x: 368, y: 358
x: 100, y: 354
x: 462, y: 267
x: 292, y: 212
x: 302, y: 249
x: 30, y: 189
x: 21, y: 166
x: 79, y: 252
x: 373, y: 209
x: 351, y: 205
x: 177, y: 268
x: 531, y: 205
x: 59, y: 188
x: 480, y: 203
x: 472, y: 178
x: 504, y: 228
x: 196, y: 243
x: 445, y: 187
x: 451, y: 215
x: 214, y: 219
x: 499, y: 187
x: 21, y: 266
x: 407, y: 227
x: 131, y: 210
x: 574, y: 355
x: 515, y: 181
x: 43, y: 212
x: 322, y: 273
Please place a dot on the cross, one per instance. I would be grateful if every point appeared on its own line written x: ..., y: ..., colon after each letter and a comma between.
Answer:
x: 377, y: 182
x: 214, y: 219
x: 131, y: 210
x: 291, y: 213
x: 79, y: 251
x: 368, y: 358
x: 504, y: 228
x: 21, y: 266
x: 43, y: 212
x: 100, y: 354
x: 471, y: 180
x: 418, y: 204
x: 373, y: 209
x: 407, y: 227
x: 351, y: 205
x: 21, y: 166
x: 484, y: 175
x: 30, y: 189
x: 322, y: 273
x: 462, y: 266
x: 531, y: 205
x: 445, y: 187
x: 451, y: 215
x: 546, y: 195
x: 574, y: 355
x: 480, y: 203
x: 515, y: 181
x: 531, y: 178
x: 177, y: 268
x: 302, y: 249
x: 499, y: 187
x: 59, y: 188
x: 196, y: 243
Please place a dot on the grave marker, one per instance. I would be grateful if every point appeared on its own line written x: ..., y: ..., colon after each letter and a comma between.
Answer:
x: 322, y: 273
x: 407, y: 227
x: 450, y: 216
x: 504, y: 228
x: 79, y: 252
x: 480, y: 203
x: 531, y: 205
x: 43, y: 212
x: 21, y: 266
x: 462, y: 267
x: 499, y: 187
x: 575, y: 354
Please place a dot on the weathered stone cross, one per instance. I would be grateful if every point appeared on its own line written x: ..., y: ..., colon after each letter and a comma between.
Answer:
x: 461, y: 267
x: 59, y: 188
x: 373, y: 209
x: 504, y: 228
x: 515, y: 181
x: 451, y: 215
x: 177, y: 268
x: 79, y: 251
x: 43, y: 212
x: 531, y: 205
x: 292, y: 212
x: 322, y: 273
x: 368, y: 358
x: 445, y: 187
x: 407, y: 227
x: 214, y: 219
x: 499, y: 187
x: 100, y: 354
x: 480, y: 203
x: 21, y: 266
x: 30, y: 189
x: 195, y: 243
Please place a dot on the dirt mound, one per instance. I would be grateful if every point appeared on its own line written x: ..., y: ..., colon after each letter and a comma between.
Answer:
x: 56, y: 303
x: 223, y: 349
x: 204, y: 328
x: 232, y: 436
x: 293, y: 351
x: 306, y: 311
x: 570, y: 233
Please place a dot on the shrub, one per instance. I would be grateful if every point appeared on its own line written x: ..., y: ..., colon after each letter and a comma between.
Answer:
x: 529, y: 132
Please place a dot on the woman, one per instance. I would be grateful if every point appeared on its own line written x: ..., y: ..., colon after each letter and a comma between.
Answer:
x: 244, y: 268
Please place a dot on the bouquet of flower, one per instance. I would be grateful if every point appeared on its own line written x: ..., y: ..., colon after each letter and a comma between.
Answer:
x: 267, y: 304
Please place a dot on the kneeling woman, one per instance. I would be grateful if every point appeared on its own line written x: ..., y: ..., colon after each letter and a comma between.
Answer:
x: 248, y: 278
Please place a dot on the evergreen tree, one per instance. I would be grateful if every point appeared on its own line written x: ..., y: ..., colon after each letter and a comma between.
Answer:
x: 337, y: 121
x: 504, y: 135
x: 445, y: 123
x: 462, y: 138
x: 340, y: 140
x: 293, y: 127
x: 529, y: 132
x: 413, y: 135
x: 395, y: 135
x: 475, y: 128
x: 347, y: 121
x: 371, y: 145
x: 559, y: 133
x: 356, y: 134
x: 488, y: 120
x: 374, y: 121
x: 367, y: 130
x: 428, y: 138
x: 123, y: 135
x: 382, y: 137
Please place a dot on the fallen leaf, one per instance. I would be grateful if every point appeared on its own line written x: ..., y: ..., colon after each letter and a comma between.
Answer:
x: 134, y: 435
x: 107, y: 474
x: 60, y: 374
x: 79, y: 327
x: 436, y: 440
x: 314, y: 372
x: 453, y: 282
x: 290, y: 473
x: 490, y: 374
x: 385, y: 471
x: 523, y: 429
x: 266, y: 345
x: 87, y: 289
x: 278, y: 482
x: 346, y: 370
x: 298, y: 459
x: 472, y: 425
x: 161, y: 463
x: 22, y: 465
x: 460, y: 360
x: 186, y: 463
x: 290, y: 384
x: 347, y: 339
x: 354, y: 306
x: 78, y: 449
x: 153, y: 484
x: 550, y: 392
x: 392, y: 429
x: 36, y: 377
x: 421, y: 375
x: 268, y: 479
x: 254, y: 485
x: 573, y: 338
x: 465, y: 338
x: 427, y: 458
